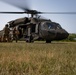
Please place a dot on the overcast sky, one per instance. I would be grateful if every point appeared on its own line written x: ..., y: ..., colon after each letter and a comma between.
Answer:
x: 67, y: 21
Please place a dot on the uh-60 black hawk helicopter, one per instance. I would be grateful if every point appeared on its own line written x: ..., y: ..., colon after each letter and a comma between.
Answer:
x: 36, y: 28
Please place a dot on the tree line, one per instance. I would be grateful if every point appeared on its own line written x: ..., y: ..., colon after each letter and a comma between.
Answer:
x: 71, y: 37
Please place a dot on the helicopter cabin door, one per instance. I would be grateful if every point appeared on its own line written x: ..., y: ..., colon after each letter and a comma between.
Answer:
x: 36, y: 29
x: 28, y: 39
x: 29, y: 31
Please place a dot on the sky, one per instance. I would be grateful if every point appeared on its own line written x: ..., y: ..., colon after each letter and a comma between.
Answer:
x: 67, y: 21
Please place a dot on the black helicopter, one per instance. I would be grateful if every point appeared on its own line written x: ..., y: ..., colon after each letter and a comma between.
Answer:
x: 37, y: 28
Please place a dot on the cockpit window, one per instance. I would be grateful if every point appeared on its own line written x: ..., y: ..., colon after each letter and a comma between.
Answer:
x: 48, y: 26
x: 51, y: 25
x: 59, y: 27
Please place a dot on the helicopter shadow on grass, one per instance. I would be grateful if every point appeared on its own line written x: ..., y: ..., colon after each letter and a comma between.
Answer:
x: 59, y: 43
x: 53, y: 42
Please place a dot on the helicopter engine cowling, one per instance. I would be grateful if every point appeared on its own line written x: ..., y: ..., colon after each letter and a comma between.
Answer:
x: 18, y: 21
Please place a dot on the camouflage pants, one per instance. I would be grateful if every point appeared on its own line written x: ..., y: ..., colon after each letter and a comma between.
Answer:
x: 5, y: 38
x: 15, y: 37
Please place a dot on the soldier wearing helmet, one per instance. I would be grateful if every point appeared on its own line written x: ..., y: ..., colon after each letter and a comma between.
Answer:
x: 16, y: 33
x: 6, y: 33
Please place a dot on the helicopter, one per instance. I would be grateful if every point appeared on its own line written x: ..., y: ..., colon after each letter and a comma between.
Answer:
x: 37, y: 28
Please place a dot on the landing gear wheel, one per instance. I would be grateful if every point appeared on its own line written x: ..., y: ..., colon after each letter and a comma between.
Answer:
x: 48, y: 41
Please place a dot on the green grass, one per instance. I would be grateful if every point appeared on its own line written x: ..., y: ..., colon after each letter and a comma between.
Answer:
x: 39, y: 58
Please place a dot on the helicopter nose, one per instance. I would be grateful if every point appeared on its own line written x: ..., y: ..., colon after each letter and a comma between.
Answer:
x: 61, y: 34
x: 65, y: 34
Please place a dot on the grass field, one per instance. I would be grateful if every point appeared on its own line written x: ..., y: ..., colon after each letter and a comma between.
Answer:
x: 39, y: 58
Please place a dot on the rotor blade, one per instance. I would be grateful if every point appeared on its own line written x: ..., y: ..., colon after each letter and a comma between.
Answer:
x: 24, y: 12
x: 13, y: 12
x: 22, y: 4
x: 57, y: 12
x: 36, y: 12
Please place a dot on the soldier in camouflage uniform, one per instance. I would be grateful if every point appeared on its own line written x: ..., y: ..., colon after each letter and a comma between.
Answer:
x: 6, y: 33
x: 15, y: 34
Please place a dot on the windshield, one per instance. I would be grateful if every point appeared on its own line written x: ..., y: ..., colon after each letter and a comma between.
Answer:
x: 59, y: 27
x: 49, y: 26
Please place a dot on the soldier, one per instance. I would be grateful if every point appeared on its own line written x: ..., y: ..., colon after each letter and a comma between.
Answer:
x: 6, y: 33
x: 15, y: 33
x: 11, y: 35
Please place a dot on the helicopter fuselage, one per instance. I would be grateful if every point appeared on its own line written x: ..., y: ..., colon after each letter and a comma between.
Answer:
x: 37, y: 29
